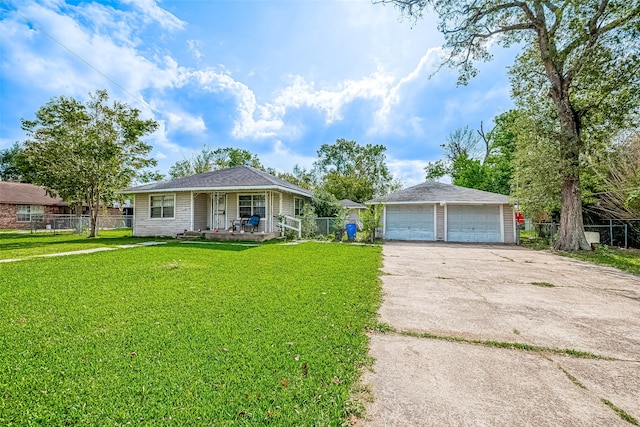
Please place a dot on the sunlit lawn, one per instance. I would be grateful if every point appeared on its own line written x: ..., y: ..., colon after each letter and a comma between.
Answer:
x: 186, y: 335
x: 624, y: 259
x: 21, y: 245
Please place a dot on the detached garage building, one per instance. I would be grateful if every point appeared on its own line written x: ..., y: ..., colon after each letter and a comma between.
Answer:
x: 437, y: 211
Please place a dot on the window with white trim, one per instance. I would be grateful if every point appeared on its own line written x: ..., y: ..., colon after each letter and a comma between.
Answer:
x: 254, y: 204
x: 298, y: 206
x: 28, y: 213
x: 162, y: 206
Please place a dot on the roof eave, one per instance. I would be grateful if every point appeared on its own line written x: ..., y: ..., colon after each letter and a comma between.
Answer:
x: 437, y: 202
x: 208, y: 189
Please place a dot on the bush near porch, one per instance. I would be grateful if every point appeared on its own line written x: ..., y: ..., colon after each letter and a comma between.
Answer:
x: 186, y: 334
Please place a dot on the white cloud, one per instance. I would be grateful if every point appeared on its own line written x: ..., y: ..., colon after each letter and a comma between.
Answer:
x: 285, y: 158
x: 331, y: 101
x: 185, y: 122
x: 411, y: 172
x: 151, y: 12
x: 425, y: 67
x: 194, y: 48
x: 159, y: 137
x: 254, y: 120
x: 77, y: 57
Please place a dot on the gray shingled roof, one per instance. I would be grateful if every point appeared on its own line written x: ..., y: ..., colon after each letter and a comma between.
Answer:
x: 239, y: 177
x: 350, y: 204
x: 17, y: 193
x: 436, y: 192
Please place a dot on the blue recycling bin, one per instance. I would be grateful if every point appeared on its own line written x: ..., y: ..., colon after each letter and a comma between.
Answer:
x: 351, y: 231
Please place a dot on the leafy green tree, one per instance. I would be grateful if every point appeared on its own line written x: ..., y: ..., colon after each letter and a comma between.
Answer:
x: 469, y: 172
x: 352, y: 171
x: 229, y: 157
x: 86, y: 152
x: 325, y: 204
x: 208, y: 160
x: 301, y: 177
x: 149, y: 175
x: 472, y: 165
x: 537, y: 179
x: 620, y: 196
x: 501, y: 145
x: 12, y: 166
x: 371, y: 219
x: 583, y: 54
x: 308, y: 222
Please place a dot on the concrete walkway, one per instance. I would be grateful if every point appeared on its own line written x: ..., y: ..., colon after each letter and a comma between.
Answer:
x: 506, y: 294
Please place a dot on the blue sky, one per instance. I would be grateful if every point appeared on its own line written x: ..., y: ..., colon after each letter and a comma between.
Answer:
x: 278, y: 78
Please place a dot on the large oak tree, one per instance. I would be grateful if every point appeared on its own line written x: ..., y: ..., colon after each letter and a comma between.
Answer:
x: 85, y: 152
x: 576, y: 48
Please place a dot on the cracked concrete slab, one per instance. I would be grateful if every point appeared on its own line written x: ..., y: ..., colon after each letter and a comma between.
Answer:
x: 509, y: 294
x: 437, y: 383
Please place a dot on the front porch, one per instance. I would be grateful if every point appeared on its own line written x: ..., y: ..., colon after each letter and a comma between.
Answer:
x: 229, y: 236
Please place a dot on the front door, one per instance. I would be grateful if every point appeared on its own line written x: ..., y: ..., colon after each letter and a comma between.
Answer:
x: 219, y: 211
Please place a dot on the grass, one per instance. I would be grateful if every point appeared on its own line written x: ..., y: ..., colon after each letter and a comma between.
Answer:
x: 186, y: 335
x: 572, y: 378
x: 623, y: 259
x: 501, y: 344
x: 621, y: 413
x: 543, y: 284
x: 22, y: 245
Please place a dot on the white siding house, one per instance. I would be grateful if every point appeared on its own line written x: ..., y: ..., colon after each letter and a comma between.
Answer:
x: 214, y: 201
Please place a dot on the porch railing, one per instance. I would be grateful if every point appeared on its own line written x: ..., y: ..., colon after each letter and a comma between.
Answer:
x: 285, y: 221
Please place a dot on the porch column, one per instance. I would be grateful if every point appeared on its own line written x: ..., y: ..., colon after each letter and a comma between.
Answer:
x: 192, y: 213
x: 266, y: 209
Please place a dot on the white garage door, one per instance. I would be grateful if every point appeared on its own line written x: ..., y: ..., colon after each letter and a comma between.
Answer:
x: 473, y: 224
x: 409, y: 222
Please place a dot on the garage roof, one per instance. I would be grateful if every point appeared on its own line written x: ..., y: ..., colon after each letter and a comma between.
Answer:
x: 437, y: 192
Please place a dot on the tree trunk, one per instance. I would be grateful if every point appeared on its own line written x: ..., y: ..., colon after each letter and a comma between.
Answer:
x: 94, y: 208
x: 79, y: 218
x: 571, y: 234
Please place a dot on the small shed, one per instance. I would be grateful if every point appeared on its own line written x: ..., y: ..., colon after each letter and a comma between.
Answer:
x: 353, y: 210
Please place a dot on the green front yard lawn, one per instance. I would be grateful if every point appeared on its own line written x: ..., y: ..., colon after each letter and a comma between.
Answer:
x: 21, y: 245
x: 186, y: 335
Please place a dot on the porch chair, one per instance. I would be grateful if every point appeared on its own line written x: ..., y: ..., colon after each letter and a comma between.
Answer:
x: 253, y: 223
x: 236, y: 224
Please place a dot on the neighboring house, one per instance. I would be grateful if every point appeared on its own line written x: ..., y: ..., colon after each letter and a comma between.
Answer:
x: 353, y: 211
x: 20, y: 204
x: 214, y: 201
x: 437, y: 211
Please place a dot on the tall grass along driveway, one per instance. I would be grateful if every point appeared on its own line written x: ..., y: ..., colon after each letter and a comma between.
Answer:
x: 186, y: 335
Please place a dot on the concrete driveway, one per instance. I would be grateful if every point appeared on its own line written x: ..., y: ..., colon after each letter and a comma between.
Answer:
x: 505, y: 294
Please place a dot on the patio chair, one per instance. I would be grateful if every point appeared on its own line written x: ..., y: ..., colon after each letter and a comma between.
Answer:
x: 253, y: 223
x: 236, y: 224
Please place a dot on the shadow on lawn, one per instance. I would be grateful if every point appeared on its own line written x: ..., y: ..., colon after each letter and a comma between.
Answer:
x: 220, y: 246
x: 9, y: 241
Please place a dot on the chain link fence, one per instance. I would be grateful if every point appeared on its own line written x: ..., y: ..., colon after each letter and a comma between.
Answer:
x: 78, y: 223
x: 624, y: 233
